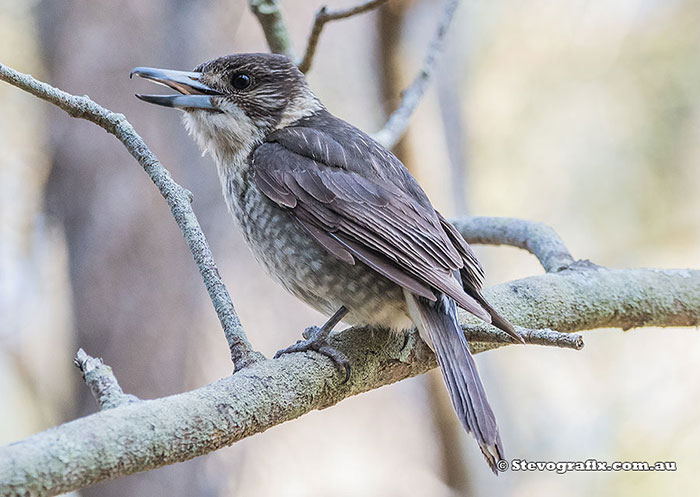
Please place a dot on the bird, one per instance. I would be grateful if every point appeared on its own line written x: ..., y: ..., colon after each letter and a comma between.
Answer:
x: 336, y: 218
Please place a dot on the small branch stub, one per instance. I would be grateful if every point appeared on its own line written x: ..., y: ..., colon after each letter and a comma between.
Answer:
x: 101, y: 380
x: 483, y: 333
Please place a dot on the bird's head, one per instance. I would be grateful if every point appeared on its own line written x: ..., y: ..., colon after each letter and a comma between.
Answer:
x: 232, y: 102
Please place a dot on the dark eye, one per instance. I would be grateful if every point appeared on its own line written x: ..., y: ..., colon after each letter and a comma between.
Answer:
x: 241, y: 81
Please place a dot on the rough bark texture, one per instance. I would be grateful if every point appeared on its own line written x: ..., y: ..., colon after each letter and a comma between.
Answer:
x: 150, y: 434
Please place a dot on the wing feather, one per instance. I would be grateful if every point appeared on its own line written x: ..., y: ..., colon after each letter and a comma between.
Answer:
x: 358, y: 213
x: 472, y: 270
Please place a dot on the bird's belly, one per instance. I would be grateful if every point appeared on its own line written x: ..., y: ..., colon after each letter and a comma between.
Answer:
x: 292, y: 257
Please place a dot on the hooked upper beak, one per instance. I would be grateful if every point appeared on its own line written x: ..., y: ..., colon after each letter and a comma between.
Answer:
x: 194, y: 93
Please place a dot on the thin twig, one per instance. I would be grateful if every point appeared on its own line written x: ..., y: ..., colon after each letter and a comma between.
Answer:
x: 537, y: 238
x: 483, y: 333
x: 322, y: 17
x: 177, y: 197
x: 397, y: 123
x: 102, y: 383
x: 270, y: 18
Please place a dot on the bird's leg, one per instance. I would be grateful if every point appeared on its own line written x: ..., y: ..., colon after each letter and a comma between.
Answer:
x: 316, y: 339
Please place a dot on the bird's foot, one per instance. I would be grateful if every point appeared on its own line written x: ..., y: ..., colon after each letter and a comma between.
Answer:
x: 316, y: 339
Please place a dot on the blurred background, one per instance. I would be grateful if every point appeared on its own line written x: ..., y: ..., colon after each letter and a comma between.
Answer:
x: 583, y: 115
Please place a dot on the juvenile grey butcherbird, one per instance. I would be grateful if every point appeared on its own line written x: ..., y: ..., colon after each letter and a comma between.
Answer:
x: 336, y: 218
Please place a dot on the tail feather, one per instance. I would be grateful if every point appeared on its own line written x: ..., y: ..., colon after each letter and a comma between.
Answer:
x: 438, y: 326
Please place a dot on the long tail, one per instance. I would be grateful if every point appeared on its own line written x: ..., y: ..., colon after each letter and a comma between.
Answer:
x: 438, y: 327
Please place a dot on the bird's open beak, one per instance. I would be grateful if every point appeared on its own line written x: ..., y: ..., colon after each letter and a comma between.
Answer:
x: 194, y: 93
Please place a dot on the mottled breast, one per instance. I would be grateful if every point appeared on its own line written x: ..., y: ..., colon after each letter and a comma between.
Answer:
x: 303, y: 267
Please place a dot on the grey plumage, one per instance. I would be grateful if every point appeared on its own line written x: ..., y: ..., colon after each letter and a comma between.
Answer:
x: 438, y: 326
x: 336, y: 218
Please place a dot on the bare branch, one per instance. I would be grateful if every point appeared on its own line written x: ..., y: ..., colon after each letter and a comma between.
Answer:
x: 537, y: 238
x: 150, y: 434
x: 483, y: 333
x: 397, y: 123
x: 177, y: 197
x: 102, y: 382
x: 549, y: 337
x: 270, y: 17
x: 322, y: 17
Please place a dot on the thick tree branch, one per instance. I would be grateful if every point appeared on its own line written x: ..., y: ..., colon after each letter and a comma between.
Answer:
x: 270, y: 17
x: 398, y: 121
x: 322, y: 17
x: 150, y: 434
x: 537, y: 238
x: 102, y: 383
x: 177, y: 197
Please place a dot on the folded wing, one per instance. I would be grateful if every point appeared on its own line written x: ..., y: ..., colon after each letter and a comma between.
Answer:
x: 341, y: 195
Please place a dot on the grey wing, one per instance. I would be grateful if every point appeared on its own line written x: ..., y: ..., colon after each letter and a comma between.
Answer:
x: 473, y: 278
x: 472, y: 273
x: 364, y: 217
